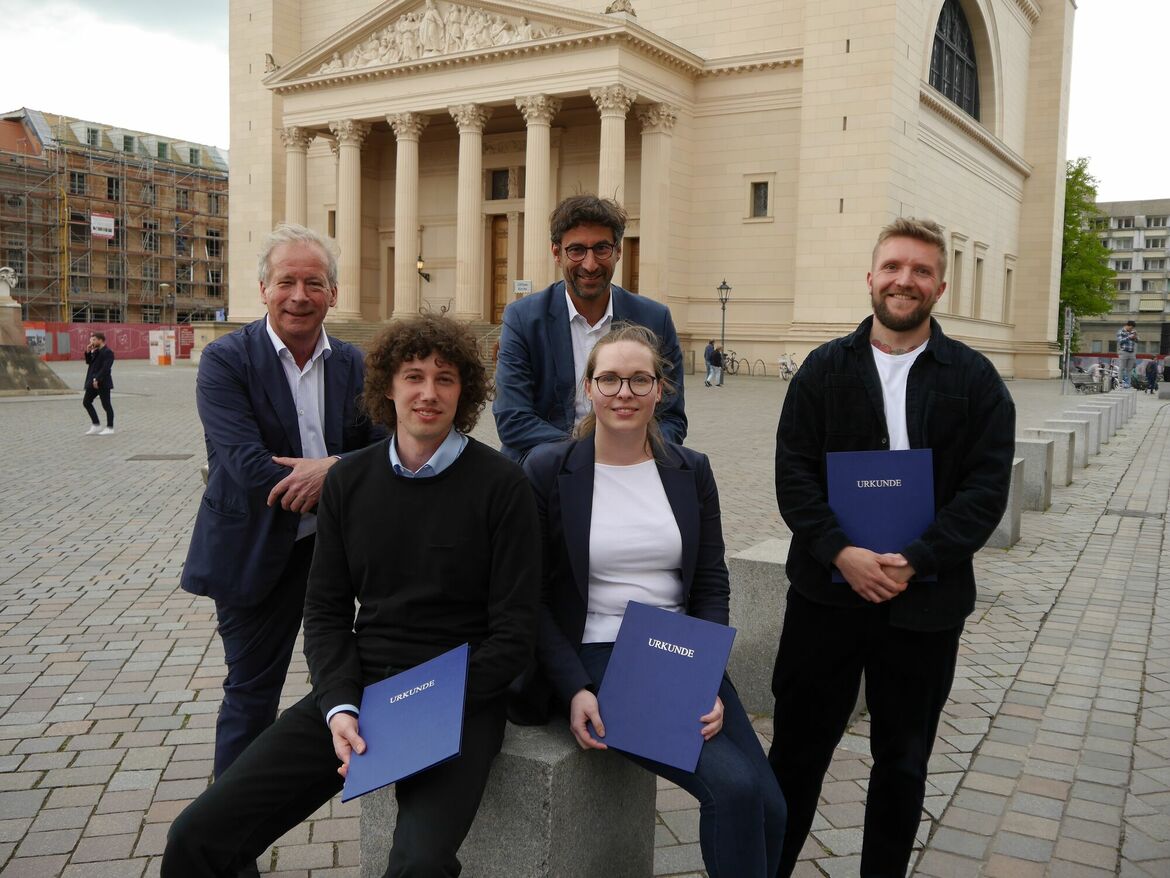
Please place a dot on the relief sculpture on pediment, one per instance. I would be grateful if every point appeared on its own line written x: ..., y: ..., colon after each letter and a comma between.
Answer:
x: 437, y: 29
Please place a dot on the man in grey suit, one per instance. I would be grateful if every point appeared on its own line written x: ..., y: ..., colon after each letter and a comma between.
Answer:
x: 547, y: 336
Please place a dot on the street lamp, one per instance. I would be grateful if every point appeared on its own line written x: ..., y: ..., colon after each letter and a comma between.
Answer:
x: 420, y: 265
x: 724, y: 292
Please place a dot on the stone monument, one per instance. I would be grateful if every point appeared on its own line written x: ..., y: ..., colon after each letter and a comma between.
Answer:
x: 21, y: 371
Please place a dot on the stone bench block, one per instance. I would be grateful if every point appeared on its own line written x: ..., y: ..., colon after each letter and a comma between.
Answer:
x: 1080, y: 428
x: 1102, y: 423
x: 759, y: 588
x: 550, y: 808
x: 1163, y: 392
x: 1110, y: 423
x: 1037, y: 455
x: 1094, y: 419
x: 1007, y: 532
x: 759, y: 593
x: 1063, y: 451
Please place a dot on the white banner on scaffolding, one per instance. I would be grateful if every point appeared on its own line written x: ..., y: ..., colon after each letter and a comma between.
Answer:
x: 101, y: 225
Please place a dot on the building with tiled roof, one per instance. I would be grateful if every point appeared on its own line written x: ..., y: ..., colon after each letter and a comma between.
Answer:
x: 109, y: 224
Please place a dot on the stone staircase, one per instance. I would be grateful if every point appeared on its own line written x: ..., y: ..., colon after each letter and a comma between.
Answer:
x: 363, y: 333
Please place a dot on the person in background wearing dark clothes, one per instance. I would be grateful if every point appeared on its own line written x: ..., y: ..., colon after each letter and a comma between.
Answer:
x: 429, y: 534
x: 717, y: 363
x: 1152, y: 375
x: 708, y: 352
x: 895, y: 383
x: 99, y: 381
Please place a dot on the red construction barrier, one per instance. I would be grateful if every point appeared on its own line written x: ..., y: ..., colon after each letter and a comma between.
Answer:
x: 128, y: 341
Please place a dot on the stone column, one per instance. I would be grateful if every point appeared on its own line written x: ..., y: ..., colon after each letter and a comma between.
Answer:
x: 469, y: 211
x: 296, y: 190
x: 538, y: 111
x: 657, y: 127
x: 613, y: 102
x: 408, y: 127
x: 350, y: 134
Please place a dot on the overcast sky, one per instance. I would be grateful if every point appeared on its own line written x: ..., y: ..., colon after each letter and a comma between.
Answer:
x: 161, y: 67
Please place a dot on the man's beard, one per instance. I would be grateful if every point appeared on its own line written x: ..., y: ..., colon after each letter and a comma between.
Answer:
x: 903, y: 323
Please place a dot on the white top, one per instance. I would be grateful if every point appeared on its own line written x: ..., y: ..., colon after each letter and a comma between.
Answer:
x: 308, y: 392
x: 635, y: 548
x: 584, y: 338
x: 893, y: 370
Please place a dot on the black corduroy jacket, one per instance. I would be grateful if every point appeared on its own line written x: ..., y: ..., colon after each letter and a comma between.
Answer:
x: 956, y: 405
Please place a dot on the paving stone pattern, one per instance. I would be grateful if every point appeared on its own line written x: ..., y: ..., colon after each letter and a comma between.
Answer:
x: 1053, y: 755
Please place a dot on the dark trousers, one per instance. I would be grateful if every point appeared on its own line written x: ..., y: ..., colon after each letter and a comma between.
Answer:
x: 104, y: 396
x: 908, y: 675
x: 291, y: 771
x: 741, y: 809
x: 258, y: 645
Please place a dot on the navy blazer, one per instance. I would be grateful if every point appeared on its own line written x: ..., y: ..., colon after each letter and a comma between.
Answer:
x: 240, y: 545
x: 562, y: 479
x: 536, y: 384
x: 99, y: 367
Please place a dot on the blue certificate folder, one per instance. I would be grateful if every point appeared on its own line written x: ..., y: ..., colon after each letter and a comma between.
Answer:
x: 663, y: 675
x: 409, y: 722
x: 874, y: 512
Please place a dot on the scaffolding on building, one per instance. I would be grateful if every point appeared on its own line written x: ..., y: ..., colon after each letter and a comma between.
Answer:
x: 158, y: 250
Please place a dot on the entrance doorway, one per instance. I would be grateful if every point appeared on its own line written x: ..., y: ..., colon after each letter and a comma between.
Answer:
x: 631, y: 251
x: 499, y: 264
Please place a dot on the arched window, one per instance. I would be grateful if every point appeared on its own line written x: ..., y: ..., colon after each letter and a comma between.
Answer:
x: 952, y: 62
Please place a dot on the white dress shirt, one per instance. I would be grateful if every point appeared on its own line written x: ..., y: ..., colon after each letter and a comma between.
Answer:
x: 584, y: 338
x: 307, y: 386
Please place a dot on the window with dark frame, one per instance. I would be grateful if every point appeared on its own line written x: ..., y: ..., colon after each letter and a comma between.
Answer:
x: 150, y: 236
x: 76, y: 183
x: 953, y: 69
x: 183, y: 199
x: 113, y: 188
x: 91, y: 136
x: 499, y: 185
x: 214, y: 244
x: 760, y: 199
x: 78, y: 228
x: 127, y: 143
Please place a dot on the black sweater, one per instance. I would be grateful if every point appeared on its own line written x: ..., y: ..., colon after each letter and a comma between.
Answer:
x: 432, y: 563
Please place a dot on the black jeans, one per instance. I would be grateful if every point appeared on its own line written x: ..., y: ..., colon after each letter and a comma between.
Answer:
x: 908, y: 674
x: 291, y: 770
x: 104, y: 396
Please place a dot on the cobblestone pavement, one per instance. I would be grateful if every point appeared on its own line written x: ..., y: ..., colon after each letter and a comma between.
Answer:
x: 1053, y: 757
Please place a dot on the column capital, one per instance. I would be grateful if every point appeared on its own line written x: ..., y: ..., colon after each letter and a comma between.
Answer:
x: 614, y: 99
x: 408, y: 126
x: 297, y: 138
x: 470, y: 117
x: 658, y: 118
x: 350, y: 132
x: 538, y: 109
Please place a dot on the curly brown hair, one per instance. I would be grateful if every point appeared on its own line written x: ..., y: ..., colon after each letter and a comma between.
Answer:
x: 416, y: 338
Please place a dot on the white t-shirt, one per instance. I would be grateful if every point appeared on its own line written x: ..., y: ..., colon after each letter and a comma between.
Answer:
x: 635, y: 548
x: 893, y: 370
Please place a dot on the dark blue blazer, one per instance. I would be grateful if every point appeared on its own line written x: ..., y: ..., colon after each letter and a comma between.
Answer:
x: 562, y: 479
x: 240, y: 545
x: 535, y: 381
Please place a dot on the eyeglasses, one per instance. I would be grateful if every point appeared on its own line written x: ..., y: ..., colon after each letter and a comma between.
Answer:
x: 602, y: 250
x: 611, y: 385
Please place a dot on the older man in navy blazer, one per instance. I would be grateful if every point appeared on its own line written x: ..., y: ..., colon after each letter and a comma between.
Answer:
x: 279, y: 401
x: 546, y: 337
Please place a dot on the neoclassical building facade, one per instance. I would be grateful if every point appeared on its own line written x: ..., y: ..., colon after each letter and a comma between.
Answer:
x: 762, y: 143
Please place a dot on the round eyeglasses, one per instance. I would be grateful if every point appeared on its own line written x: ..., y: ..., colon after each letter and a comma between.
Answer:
x: 611, y: 385
x: 601, y: 250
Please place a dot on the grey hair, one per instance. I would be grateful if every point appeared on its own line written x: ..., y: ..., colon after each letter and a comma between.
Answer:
x: 291, y: 233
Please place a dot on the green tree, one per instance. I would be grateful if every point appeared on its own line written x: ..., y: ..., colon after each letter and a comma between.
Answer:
x: 1086, y: 280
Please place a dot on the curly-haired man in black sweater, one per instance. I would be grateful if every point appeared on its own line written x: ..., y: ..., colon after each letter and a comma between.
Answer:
x: 429, y: 534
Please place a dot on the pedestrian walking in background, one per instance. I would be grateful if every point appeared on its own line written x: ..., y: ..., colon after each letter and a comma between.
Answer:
x: 1152, y: 375
x: 99, y: 381
x: 708, y: 353
x: 1126, y: 345
x: 717, y: 365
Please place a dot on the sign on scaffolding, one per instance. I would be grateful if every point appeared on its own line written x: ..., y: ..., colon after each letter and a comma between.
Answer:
x: 101, y: 225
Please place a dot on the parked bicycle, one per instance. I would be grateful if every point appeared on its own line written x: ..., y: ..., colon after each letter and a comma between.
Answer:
x: 788, y: 366
x: 730, y: 362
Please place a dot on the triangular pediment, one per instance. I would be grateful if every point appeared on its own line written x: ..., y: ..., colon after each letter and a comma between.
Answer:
x: 412, y: 32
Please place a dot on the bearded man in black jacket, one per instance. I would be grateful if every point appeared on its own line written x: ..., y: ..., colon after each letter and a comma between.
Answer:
x: 895, y: 383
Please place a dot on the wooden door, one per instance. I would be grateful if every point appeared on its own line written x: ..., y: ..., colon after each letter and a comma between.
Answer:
x: 499, y: 263
x: 630, y: 251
